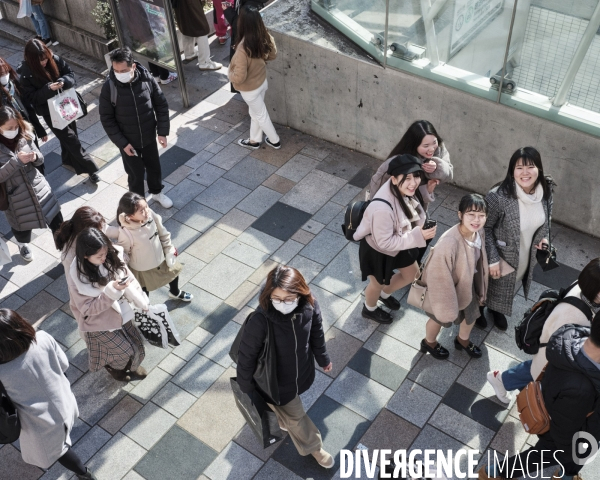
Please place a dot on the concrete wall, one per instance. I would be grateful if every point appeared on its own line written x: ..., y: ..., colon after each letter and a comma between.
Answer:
x: 363, y: 106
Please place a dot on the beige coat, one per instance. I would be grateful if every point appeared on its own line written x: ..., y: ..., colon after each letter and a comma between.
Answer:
x: 145, y: 246
x: 388, y: 230
x: 563, y: 314
x: 450, y: 275
x: 245, y: 73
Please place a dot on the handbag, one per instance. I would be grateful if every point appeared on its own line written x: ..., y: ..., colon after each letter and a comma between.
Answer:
x: 258, y: 415
x: 3, y: 197
x: 546, y: 258
x: 64, y: 108
x: 10, y: 424
x: 82, y: 103
x: 265, y: 375
x: 156, y: 326
x: 417, y: 295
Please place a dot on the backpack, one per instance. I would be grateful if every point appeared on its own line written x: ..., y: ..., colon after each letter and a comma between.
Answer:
x: 529, y: 330
x: 354, y: 215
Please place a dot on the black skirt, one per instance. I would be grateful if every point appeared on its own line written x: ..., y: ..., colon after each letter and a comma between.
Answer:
x: 382, y: 266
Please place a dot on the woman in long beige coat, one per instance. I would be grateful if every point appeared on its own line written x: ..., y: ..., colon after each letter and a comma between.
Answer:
x: 456, y: 275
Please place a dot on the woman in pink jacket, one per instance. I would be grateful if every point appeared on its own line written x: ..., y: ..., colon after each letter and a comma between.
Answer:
x: 391, y: 235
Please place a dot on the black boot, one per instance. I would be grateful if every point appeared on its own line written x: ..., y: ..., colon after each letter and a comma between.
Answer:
x: 88, y: 476
x: 119, y: 375
x: 390, y: 303
x: 481, y: 322
x: 438, y: 351
x: 378, y: 315
x: 499, y: 320
x: 473, y: 350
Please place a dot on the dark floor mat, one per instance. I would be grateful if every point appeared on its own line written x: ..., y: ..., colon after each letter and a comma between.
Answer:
x: 558, y: 278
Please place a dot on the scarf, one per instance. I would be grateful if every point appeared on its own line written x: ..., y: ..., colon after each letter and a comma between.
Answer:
x: 413, y: 207
x: 535, y: 197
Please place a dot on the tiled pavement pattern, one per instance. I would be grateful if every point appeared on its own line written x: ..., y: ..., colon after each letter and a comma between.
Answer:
x: 236, y: 214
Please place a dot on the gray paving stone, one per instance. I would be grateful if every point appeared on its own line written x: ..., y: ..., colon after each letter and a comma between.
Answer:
x: 172, y: 364
x: 331, y: 305
x: 187, y: 316
x: 35, y: 286
x: 13, y: 302
x: 343, y: 276
x: 206, y: 174
x: 247, y: 439
x: 62, y: 327
x: 198, y: 375
x: 195, y: 139
x: 359, y: 393
x: 461, y: 427
x: 250, y: 172
x: 209, y: 245
x: 378, y: 368
x: 73, y: 374
x: 322, y: 381
x: 191, y: 267
x: 341, y: 347
x: 313, y: 191
x: 120, y: 414
x: 259, y: 201
x: 246, y: 254
x: 150, y: 385
x: 78, y: 355
x: 393, y: 350
x: 59, y: 289
x: 199, y: 159
x: 197, y: 216
x: 184, y: 192
x: 353, y: 323
x: 174, y: 400
x: 511, y: 437
x: 287, y: 251
x: 275, y: 471
x: 389, y: 431
x: 148, y: 425
x: 218, y: 348
x: 14, y: 466
x: 199, y: 337
x: 229, y: 156
x: 62, y: 180
x: 346, y: 195
x: 116, y: 458
x: 313, y: 226
x: 20, y: 273
x: 307, y: 268
x: 336, y: 224
x: 259, y: 240
x: 234, y: 462
x: 222, y: 276
x: 414, y: 403
x: 282, y: 221
x: 297, y: 167
x: 433, y: 438
x: 186, y: 350
x: 222, y: 195
x: 96, y: 394
x: 235, y: 222
x: 324, y: 247
x: 435, y: 375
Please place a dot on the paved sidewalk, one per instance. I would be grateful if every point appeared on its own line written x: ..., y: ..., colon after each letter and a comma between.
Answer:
x: 236, y: 214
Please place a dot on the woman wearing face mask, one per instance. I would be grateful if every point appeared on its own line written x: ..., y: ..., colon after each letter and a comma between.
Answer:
x: 43, y: 75
x: 517, y: 225
x: 456, y: 275
x: 391, y: 235
x: 422, y: 141
x: 31, y: 203
x: 287, y: 303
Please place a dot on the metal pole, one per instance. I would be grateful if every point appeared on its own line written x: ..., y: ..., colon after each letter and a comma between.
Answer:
x: 561, y: 95
x: 385, y: 33
x: 432, y: 51
x: 510, y: 30
x: 114, y: 8
x: 176, y: 54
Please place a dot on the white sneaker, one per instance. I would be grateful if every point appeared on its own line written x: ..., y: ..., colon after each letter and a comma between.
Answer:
x: 495, y: 379
x: 26, y: 252
x: 210, y: 65
x: 172, y: 77
x: 161, y: 198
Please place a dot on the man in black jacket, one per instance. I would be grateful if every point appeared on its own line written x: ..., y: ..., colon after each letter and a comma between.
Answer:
x: 133, y: 111
x: 571, y: 390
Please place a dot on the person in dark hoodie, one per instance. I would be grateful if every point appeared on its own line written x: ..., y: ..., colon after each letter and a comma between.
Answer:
x: 134, y: 119
x: 287, y: 303
x: 571, y: 390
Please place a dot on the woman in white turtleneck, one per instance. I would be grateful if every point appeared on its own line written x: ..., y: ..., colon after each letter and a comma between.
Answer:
x: 517, y: 225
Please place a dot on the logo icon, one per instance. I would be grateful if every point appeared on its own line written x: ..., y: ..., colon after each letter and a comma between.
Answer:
x: 584, y: 448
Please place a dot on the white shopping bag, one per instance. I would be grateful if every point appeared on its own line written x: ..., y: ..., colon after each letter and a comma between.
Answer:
x: 4, y: 253
x: 64, y: 108
x: 156, y: 326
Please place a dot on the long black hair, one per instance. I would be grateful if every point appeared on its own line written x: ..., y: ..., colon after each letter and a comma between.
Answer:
x: 528, y: 156
x: 251, y: 29
x: 35, y: 52
x: 84, y: 217
x: 413, y: 137
x: 395, y: 189
x: 89, y: 242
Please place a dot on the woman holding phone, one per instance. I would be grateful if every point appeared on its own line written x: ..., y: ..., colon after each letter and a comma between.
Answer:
x: 43, y: 76
x: 30, y: 201
x: 517, y: 225
x: 392, y: 235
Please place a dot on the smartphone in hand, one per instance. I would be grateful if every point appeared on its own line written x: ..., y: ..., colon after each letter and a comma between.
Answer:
x: 123, y: 281
x: 429, y: 223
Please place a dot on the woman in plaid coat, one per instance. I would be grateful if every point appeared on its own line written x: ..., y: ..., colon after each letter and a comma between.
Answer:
x: 517, y: 225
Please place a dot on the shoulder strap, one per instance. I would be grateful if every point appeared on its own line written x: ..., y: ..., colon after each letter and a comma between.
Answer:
x: 382, y: 200
x: 113, y: 92
x: 422, y: 269
x: 580, y: 304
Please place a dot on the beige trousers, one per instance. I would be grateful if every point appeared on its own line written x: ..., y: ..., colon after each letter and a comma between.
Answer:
x: 303, y: 432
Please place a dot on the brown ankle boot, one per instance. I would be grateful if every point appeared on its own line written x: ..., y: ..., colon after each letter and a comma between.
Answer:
x: 120, y: 375
x: 139, y: 374
x: 323, y: 458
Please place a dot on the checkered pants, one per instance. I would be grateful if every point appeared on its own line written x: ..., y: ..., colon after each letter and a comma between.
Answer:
x: 115, y: 349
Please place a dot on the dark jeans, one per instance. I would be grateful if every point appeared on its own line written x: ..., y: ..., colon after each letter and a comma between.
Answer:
x: 72, y: 462
x: 146, y: 162
x: 73, y: 153
x: 158, y: 71
x: 517, y: 377
x: 24, y: 236
x: 173, y: 288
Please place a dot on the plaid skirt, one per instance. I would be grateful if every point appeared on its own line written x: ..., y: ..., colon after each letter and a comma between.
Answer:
x: 116, y: 348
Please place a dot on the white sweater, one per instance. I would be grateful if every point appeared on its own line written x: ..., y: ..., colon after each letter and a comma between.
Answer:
x: 532, y: 217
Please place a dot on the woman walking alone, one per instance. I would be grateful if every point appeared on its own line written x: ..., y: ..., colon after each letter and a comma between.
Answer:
x: 32, y: 370
x: 43, y: 75
x: 254, y: 46
x: 31, y: 202
x: 517, y: 226
x: 101, y: 288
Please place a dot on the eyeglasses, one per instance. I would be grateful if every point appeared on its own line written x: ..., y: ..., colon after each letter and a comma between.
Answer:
x: 276, y: 301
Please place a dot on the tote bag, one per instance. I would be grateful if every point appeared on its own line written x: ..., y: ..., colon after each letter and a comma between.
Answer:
x: 418, y: 295
x: 65, y: 108
x: 156, y: 326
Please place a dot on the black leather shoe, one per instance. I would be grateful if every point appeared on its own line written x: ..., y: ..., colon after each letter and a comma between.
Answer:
x: 390, y: 303
x: 473, y: 350
x: 481, y: 322
x: 378, y: 315
x: 499, y: 320
x: 438, y: 351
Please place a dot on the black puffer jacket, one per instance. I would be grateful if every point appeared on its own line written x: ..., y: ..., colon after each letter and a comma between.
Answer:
x: 571, y: 387
x: 37, y: 91
x: 141, y: 110
x: 299, y: 339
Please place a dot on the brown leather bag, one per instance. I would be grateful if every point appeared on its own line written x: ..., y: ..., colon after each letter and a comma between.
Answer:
x: 3, y: 197
x: 531, y: 407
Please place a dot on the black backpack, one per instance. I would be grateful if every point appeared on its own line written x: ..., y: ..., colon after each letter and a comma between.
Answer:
x: 529, y: 330
x: 10, y: 425
x: 354, y: 215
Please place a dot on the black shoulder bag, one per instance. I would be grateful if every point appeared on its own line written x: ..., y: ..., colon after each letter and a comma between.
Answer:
x: 546, y: 257
x: 10, y: 425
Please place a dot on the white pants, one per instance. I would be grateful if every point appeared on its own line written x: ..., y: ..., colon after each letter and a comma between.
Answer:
x: 261, y: 122
x: 203, y: 48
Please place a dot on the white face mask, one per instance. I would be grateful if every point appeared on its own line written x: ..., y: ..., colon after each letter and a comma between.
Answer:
x: 124, y: 77
x: 4, y: 79
x: 285, y: 309
x: 10, y: 134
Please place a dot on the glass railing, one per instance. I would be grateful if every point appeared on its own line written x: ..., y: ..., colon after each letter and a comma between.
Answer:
x: 540, y: 56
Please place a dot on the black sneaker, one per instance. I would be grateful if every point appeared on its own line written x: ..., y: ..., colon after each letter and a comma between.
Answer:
x: 438, y: 351
x: 472, y: 349
x: 276, y: 146
x: 390, y: 303
x: 499, y: 320
x: 94, y: 178
x: 248, y: 144
x: 378, y: 315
